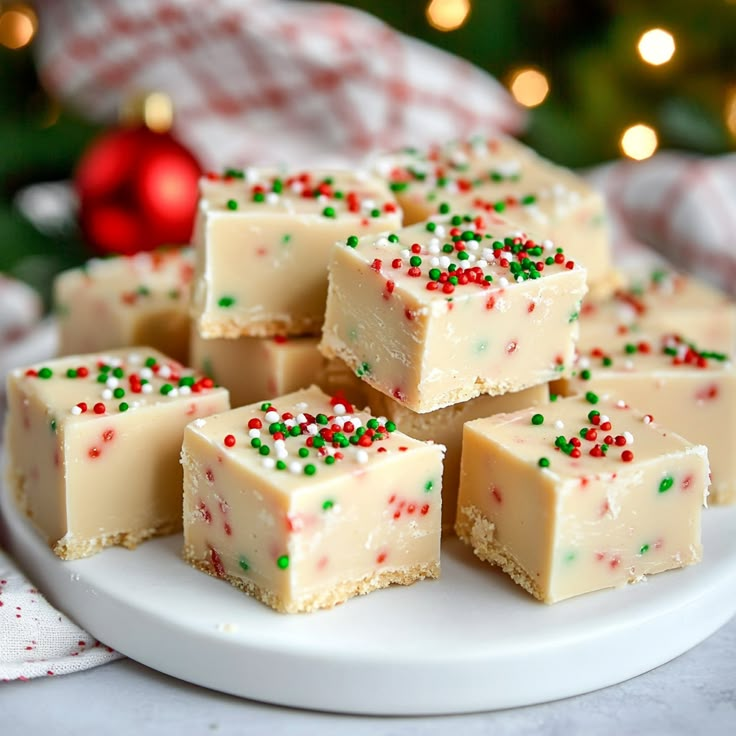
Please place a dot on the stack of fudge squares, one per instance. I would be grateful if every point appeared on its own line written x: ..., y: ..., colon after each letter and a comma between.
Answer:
x: 518, y: 389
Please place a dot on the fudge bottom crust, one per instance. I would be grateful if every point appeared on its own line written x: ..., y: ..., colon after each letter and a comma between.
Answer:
x: 69, y: 548
x: 232, y: 328
x: 478, y: 533
x: 335, y: 595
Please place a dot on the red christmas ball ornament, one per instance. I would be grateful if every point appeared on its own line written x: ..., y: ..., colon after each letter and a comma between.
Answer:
x: 137, y: 190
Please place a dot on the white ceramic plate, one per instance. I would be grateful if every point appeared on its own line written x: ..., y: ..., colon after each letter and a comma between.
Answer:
x: 470, y: 641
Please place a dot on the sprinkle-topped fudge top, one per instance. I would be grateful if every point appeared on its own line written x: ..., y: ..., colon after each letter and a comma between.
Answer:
x: 493, y: 173
x: 642, y: 354
x: 457, y: 256
x: 331, y: 195
x: 82, y: 387
x: 583, y: 437
x: 164, y: 274
x: 306, y: 436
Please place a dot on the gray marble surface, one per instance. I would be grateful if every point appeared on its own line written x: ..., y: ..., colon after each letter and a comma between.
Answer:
x: 693, y: 694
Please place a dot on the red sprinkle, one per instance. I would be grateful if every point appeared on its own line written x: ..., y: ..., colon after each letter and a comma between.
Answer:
x: 229, y: 440
x: 99, y: 408
x: 627, y: 456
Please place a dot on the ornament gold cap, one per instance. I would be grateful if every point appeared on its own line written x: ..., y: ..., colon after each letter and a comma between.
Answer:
x: 155, y: 110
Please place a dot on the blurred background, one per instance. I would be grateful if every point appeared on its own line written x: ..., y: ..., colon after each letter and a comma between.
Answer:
x: 600, y: 79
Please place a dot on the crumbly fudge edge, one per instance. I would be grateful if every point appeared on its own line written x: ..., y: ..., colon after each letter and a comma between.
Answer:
x: 231, y: 328
x: 337, y: 594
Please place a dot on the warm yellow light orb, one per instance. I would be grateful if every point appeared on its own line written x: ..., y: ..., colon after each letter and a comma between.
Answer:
x: 656, y: 46
x: 731, y: 111
x: 447, y: 15
x: 529, y: 87
x: 17, y: 26
x: 639, y: 142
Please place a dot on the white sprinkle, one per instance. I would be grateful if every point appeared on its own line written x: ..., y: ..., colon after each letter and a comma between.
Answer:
x: 279, y: 443
x: 251, y: 175
x: 621, y: 404
x: 173, y: 393
x: 135, y: 358
x: 147, y: 388
x: 444, y: 261
x: 629, y: 364
x: 272, y: 198
x: 472, y: 245
x: 297, y: 187
x: 339, y: 409
x: 548, y: 245
x: 107, y: 394
x: 146, y: 373
x: 481, y: 263
x: 164, y: 372
x: 312, y: 429
x: 361, y: 456
x: 295, y: 467
x: 254, y: 433
x: 434, y: 261
x: 112, y: 382
x: 559, y: 424
x: 301, y: 406
x: 271, y: 416
x: 185, y: 390
x: 199, y: 422
x: 503, y: 282
x: 322, y: 198
x: 604, y: 419
x: 434, y: 245
x: 583, y: 362
x: 356, y: 421
x: 405, y: 253
x: 648, y: 419
x: 282, y: 453
x: 382, y: 242
x: 629, y: 438
x: 268, y: 462
x: 369, y: 204
x: 487, y: 253
x: 76, y: 411
x: 440, y: 231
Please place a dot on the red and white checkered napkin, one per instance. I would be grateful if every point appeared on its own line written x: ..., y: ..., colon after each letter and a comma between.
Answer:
x: 256, y: 81
x: 682, y: 206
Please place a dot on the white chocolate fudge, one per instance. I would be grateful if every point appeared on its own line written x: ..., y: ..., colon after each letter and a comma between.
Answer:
x: 304, y: 503
x: 445, y: 311
x: 126, y: 301
x: 93, y: 445
x: 690, y: 391
x: 500, y: 175
x: 661, y: 300
x: 446, y: 427
x: 563, y: 512
x: 263, y: 241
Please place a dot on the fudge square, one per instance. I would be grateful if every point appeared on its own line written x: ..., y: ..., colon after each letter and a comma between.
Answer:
x: 689, y: 390
x: 444, y: 311
x: 586, y: 496
x: 94, y: 442
x: 658, y: 299
x: 263, y: 241
x: 126, y: 301
x: 503, y: 176
x: 303, y: 502
x: 445, y: 426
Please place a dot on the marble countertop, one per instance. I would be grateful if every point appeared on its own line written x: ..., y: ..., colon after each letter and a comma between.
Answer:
x: 693, y: 694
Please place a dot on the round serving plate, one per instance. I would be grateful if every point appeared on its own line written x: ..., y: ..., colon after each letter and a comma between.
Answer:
x: 470, y: 641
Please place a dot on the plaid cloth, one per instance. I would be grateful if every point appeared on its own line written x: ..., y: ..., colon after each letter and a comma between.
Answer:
x: 264, y: 81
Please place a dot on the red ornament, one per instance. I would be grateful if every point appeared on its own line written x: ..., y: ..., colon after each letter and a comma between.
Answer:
x: 137, y: 190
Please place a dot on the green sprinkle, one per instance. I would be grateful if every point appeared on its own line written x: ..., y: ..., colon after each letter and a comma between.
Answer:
x: 375, y: 213
x: 573, y: 317
x: 232, y: 204
x: 52, y: 424
x: 226, y: 301
x: 643, y: 549
x: 607, y: 362
x: 629, y: 348
x: 286, y: 238
x: 415, y: 261
x: 327, y: 505
x: 390, y: 426
x: 393, y: 238
x: 118, y: 373
x: 444, y: 208
x: 330, y: 460
x: 429, y: 485
x: 352, y: 241
x: 321, y: 419
x: 591, y: 398
x: 283, y: 562
x: 538, y: 419
x: 593, y: 413
x: 666, y: 483
x: 259, y: 197
x: 528, y: 199
x: 585, y: 374
x: 554, y: 397
x: 244, y: 564
x: 571, y: 556
x: 303, y: 452
x: 398, y: 186
x: 255, y: 442
x: 150, y: 362
x: 166, y: 389
x: 295, y: 431
x: 234, y: 173
x: 277, y: 187
x: 123, y: 406
x: 431, y: 227
x: 543, y: 462
x: 118, y: 393
x: 265, y: 406
x: 45, y: 373
x: 71, y: 373
x: 499, y: 206
x: 186, y: 381
x: 309, y: 469
x: 463, y: 255
x: 264, y: 450
x: 372, y: 423
x: 280, y: 465
x: 329, y: 212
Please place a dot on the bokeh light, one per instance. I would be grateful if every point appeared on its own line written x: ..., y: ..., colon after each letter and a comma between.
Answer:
x: 639, y: 142
x: 447, y: 15
x: 18, y: 26
x: 656, y: 46
x: 529, y: 87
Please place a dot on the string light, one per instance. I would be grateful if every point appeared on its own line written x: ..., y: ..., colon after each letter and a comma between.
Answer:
x: 529, y: 87
x: 18, y: 26
x: 639, y: 142
x: 656, y: 46
x: 154, y: 109
x: 447, y: 15
x: 731, y: 111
